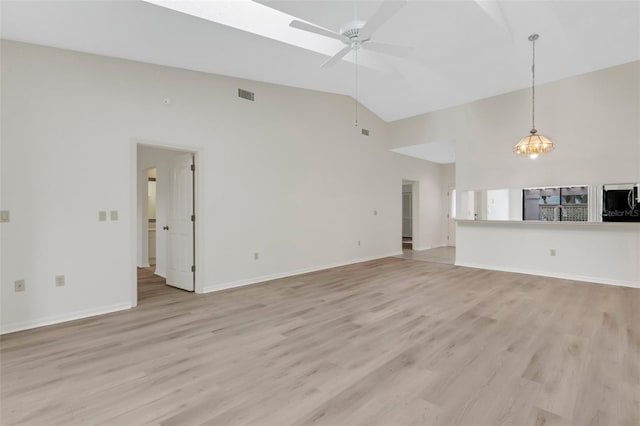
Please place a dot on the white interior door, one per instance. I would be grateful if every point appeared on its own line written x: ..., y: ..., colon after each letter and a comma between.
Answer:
x: 180, y: 235
x: 407, y: 221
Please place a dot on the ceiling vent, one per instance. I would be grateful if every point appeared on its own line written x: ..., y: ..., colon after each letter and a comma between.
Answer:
x: 365, y: 132
x: 245, y: 94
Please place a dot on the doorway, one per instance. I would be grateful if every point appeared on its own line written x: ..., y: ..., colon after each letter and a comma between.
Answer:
x: 407, y: 216
x: 166, y: 203
x: 409, y: 230
x: 151, y: 216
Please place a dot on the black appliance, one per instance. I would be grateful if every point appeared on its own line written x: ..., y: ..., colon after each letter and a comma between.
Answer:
x: 620, y: 203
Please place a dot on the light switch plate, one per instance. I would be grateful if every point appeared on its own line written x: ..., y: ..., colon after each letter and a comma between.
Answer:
x: 5, y: 216
x: 102, y: 215
x: 114, y: 214
x: 20, y: 285
x: 59, y: 280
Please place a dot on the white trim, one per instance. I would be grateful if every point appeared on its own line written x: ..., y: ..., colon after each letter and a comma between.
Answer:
x: 55, y: 319
x: 133, y: 222
x: 240, y: 283
x: 597, y: 280
x: 428, y: 247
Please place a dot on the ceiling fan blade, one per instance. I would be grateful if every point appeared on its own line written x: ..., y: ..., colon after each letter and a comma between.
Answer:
x: 335, y: 58
x: 317, y: 30
x: 387, y: 9
x: 389, y: 49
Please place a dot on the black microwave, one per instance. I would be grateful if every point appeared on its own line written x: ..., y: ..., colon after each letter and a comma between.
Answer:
x: 620, y: 203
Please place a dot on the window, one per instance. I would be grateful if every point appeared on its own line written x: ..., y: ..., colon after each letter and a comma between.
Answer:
x: 570, y: 204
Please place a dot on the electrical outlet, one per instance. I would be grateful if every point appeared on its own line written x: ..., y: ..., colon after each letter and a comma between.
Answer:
x: 552, y: 252
x: 5, y: 216
x: 59, y: 280
x: 20, y: 285
x: 358, y: 242
x: 114, y: 214
x: 255, y: 256
x: 102, y: 216
x: 375, y: 212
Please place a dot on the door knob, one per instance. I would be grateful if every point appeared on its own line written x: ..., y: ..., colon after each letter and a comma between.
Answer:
x: 166, y: 228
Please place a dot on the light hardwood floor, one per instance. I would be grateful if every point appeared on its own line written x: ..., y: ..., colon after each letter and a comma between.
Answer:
x: 387, y: 342
x: 445, y: 254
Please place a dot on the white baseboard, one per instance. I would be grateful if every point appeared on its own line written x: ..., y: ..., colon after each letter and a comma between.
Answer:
x: 240, y: 283
x: 427, y: 248
x: 55, y: 319
x: 597, y: 280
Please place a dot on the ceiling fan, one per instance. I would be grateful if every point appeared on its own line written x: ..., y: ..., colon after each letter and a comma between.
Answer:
x: 357, y: 34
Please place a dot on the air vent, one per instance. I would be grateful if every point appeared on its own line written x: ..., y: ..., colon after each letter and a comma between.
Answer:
x: 245, y: 94
x: 365, y: 132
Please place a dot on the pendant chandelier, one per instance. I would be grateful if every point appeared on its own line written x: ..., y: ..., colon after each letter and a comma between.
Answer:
x: 533, y: 144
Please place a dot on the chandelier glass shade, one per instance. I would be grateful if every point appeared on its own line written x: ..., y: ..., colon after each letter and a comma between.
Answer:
x: 533, y: 145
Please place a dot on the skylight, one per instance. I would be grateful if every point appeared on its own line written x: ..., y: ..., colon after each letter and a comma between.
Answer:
x: 256, y: 18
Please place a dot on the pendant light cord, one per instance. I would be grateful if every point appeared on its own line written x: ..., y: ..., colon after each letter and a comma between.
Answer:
x: 356, y: 51
x: 533, y: 88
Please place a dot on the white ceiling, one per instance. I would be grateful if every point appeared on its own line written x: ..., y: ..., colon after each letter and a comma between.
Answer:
x: 463, y: 50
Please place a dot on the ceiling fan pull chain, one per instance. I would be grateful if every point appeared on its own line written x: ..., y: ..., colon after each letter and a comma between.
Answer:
x: 356, y: 51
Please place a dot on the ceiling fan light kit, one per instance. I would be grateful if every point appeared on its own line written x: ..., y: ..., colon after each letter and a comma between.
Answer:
x: 534, y: 144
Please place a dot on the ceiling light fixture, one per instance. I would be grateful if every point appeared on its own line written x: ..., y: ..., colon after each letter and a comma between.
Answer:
x: 534, y: 144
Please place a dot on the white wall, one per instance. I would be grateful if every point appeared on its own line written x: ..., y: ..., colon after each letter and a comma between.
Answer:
x: 594, y: 121
x: 436, y: 126
x: 595, y: 252
x: 309, y: 180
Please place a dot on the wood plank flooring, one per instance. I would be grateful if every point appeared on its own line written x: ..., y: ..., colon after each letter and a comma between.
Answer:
x: 445, y: 254
x: 386, y: 342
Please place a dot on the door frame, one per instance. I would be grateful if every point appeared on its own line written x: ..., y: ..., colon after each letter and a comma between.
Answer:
x: 199, y: 192
x: 452, y: 194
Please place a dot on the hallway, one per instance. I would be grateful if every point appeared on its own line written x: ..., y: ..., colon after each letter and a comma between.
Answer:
x: 152, y: 290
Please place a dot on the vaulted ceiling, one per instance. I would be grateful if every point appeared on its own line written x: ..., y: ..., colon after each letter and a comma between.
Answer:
x: 462, y: 50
